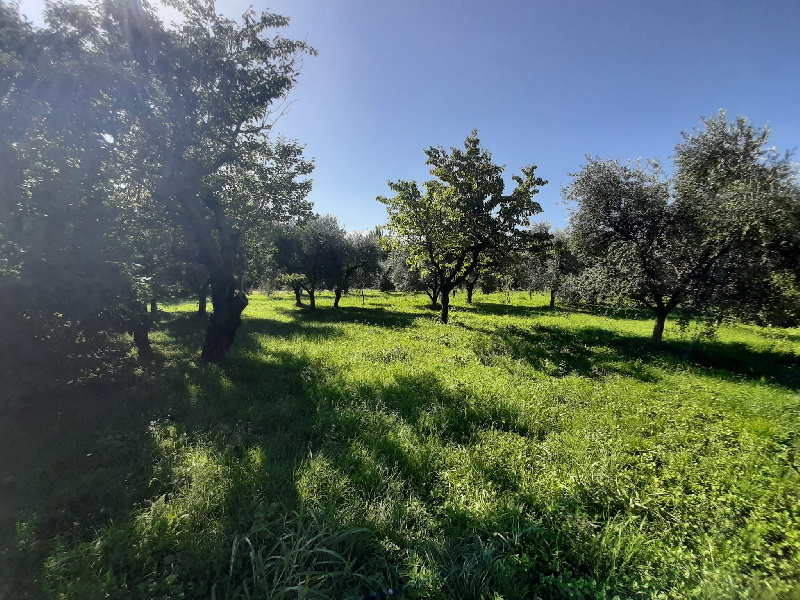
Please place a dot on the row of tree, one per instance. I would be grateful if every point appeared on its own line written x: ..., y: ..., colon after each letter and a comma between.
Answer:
x: 136, y: 157
x: 720, y: 237
x: 321, y: 254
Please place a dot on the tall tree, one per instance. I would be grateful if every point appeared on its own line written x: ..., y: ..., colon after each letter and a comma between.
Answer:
x: 724, y: 225
x: 65, y: 280
x: 462, y: 215
x: 201, y: 102
x: 746, y: 196
x: 106, y: 104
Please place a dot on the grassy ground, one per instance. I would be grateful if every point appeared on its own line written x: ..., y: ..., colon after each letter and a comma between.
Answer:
x: 517, y: 452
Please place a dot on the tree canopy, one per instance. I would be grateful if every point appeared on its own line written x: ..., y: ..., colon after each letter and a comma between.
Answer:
x: 708, y: 240
x: 128, y: 119
x: 462, y: 215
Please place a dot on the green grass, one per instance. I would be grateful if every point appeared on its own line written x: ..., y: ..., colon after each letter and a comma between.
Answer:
x: 517, y: 452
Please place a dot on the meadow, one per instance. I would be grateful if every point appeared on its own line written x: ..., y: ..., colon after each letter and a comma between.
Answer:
x: 372, y: 452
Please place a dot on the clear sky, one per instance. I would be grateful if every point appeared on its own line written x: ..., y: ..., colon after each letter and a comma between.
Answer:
x: 544, y: 83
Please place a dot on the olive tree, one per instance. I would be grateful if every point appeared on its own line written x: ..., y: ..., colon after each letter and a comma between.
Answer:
x: 548, y: 267
x: 67, y: 286
x: 407, y: 276
x: 106, y: 107
x: 358, y: 263
x: 311, y: 255
x: 727, y: 222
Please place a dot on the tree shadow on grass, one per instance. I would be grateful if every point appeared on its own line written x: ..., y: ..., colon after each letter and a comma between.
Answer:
x: 738, y: 359
x: 387, y: 444
x: 500, y: 308
x: 497, y: 308
x: 595, y: 352
x: 189, y: 332
x: 376, y: 316
x: 559, y: 352
x: 164, y: 503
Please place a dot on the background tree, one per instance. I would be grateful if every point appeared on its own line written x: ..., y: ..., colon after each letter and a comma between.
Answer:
x: 311, y: 255
x: 462, y: 215
x: 470, y: 282
x: 548, y: 267
x: 358, y: 263
x: 725, y: 228
x: 412, y: 278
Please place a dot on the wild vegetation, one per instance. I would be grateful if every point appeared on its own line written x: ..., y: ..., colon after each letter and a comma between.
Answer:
x: 518, y: 452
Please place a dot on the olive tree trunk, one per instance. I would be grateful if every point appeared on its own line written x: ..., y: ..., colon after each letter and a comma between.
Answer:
x: 226, y: 317
x: 658, y: 330
x: 337, y: 294
x: 141, y: 336
x: 445, y: 305
x: 433, y: 294
x: 298, y: 296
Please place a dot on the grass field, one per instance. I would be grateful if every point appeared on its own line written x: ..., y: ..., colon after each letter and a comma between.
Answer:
x: 517, y: 452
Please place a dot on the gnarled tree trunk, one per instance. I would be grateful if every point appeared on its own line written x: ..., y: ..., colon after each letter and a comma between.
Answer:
x: 312, y: 303
x: 226, y: 316
x: 470, y: 287
x: 337, y: 294
x: 141, y: 336
x: 298, y: 296
x: 433, y: 294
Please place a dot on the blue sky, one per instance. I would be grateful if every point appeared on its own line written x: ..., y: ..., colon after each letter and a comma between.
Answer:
x: 544, y: 83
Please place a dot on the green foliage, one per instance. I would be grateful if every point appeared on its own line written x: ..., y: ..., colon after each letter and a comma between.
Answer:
x: 550, y: 265
x: 312, y: 255
x: 463, y: 215
x: 518, y: 452
x: 407, y: 277
x: 361, y: 264
x: 121, y: 134
x: 719, y: 238
x: 67, y: 288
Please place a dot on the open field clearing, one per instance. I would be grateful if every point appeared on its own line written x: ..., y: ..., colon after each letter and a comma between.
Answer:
x: 517, y: 452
